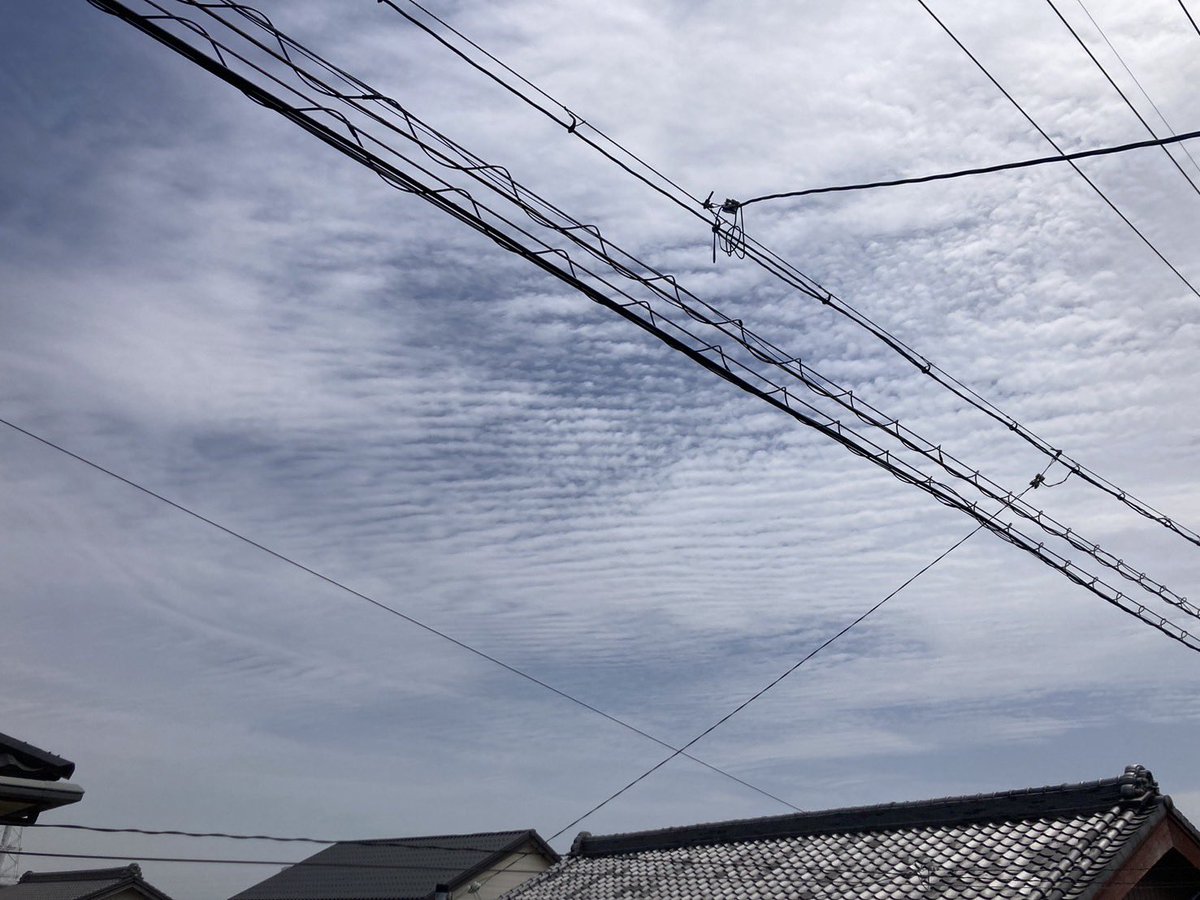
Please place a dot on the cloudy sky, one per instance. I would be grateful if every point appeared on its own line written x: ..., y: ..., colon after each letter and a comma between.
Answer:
x: 208, y: 301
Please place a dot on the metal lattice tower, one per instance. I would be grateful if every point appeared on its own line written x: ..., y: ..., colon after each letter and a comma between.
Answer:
x: 10, y: 848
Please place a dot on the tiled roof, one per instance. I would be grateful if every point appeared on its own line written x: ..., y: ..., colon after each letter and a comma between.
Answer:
x: 392, y: 868
x: 80, y: 884
x: 23, y: 760
x: 1052, y: 843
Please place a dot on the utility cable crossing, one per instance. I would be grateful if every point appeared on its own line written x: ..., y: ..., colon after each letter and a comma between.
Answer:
x: 461, y: 205
x: 589, y: 238
x: 733, y: 238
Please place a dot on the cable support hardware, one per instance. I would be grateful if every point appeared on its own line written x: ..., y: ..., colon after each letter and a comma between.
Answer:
x: 790, y: 275
x: 603, y: 250
x: 540, y: 210
x: 732, y: 206
x: 709, y: 356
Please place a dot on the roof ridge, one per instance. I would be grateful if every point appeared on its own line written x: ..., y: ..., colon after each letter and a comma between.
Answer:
x: 438, y: 837
x: 1135, y: 785
x: 133, y: 870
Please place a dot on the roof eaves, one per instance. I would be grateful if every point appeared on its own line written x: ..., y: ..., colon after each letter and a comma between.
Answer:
x: 519, y: 840
x: 52, y: 765
x: 1134, y: 786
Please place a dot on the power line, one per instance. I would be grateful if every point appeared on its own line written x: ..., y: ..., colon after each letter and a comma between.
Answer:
x: 384, y: 607
x: 732, y: 205
x: 1121, y: 93
x: 755, y: 696
x: 1038, y: 128
x: 790, y: 275
x: 1189, y: 17
x: 591, y: 239
x: 1121, y: 59
x: 356, y: 150
x: 708, y: 355
x: 222, y: 861
x: 419, y: 844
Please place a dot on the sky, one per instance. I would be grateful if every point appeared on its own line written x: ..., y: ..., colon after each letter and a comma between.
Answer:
x: 206, y: 300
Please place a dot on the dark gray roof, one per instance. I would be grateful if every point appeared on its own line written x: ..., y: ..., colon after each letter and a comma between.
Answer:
x: 393, y: 868
x: 21, y: 760
x: 1056, y: 843
x: 80, y: 884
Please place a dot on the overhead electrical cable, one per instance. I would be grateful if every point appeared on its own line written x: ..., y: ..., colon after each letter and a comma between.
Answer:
x: 1156, y: 141
x: 1116, y: 87
x: 1128, y: 71
x: 590, y: 238
x: 789, y: 274
x: 303, y: 863
x: 378, y: 604
x: 707, y: 354
x: 271, y: 838
x: 772, y: 684
x: 710, y: 356
x: 1053, y: 143
x: 1189, y: 17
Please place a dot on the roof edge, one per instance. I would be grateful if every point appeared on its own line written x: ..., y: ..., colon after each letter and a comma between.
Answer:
x: 37, y: 763
x: 1134, y: 786
x: 529, y: 835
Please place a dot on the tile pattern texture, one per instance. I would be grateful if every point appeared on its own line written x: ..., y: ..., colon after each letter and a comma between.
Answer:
x: 1051, y: 843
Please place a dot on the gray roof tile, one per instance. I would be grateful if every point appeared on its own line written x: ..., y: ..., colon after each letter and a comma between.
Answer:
x: 1051, y: 842
x: 391, y: 868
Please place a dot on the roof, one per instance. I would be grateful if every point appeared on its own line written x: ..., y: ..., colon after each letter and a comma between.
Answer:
x: 393, y: 868
x: 23, y: 760
x: 1056, y: 843
x: 81, y: 884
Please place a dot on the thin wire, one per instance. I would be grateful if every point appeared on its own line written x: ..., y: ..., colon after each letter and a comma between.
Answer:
x: 1054, y: 144
x: 1189, y: 17
x: 710, y: 356
x: 304, y: 863
x: 1117, y: 53
x: 590, y: 238
x: 779, y: 678
x: 341, y: 586
x: 418, y: 844
x: 979, y: 170
x: 1103, y: 71
x: 790, y: 275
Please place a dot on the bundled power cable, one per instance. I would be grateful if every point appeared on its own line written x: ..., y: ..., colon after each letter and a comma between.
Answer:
x: 728, y: 232
x: 352, y: 138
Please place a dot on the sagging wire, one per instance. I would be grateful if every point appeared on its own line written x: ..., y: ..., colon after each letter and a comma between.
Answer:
x: 699, y: 351
x: 789, y: 274
x: 452, y: 155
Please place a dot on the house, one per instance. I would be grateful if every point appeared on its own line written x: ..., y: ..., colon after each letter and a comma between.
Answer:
x: 1104, y: 840
x: 32, y: 781
x: 480, y: 866
x: 125, y: 883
